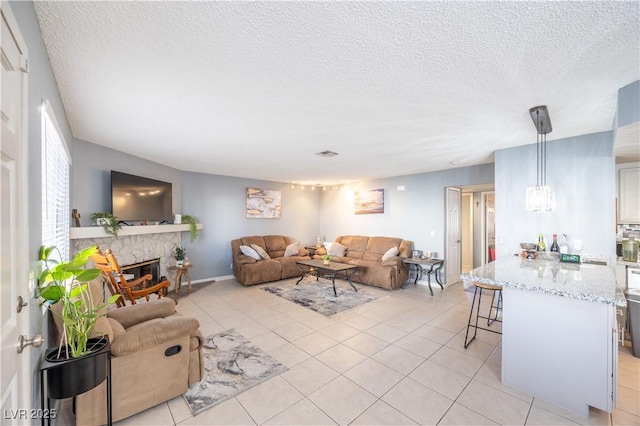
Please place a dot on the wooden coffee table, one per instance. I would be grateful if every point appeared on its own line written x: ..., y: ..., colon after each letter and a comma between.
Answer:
x: 316, y: 268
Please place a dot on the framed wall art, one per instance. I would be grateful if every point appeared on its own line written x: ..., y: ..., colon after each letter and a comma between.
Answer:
x: 263, y: 204
x: 369, y: 202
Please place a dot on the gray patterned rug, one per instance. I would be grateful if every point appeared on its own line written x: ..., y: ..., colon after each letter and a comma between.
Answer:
x: 232, y: 365
x: 318, y: 295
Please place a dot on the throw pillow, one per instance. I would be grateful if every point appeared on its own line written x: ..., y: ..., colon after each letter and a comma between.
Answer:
x: 248, y: 251
x: 263, y: 254
x: 291, y: 250
x: 327, y: 245
x: 336, y: 249
x: 390, y: 253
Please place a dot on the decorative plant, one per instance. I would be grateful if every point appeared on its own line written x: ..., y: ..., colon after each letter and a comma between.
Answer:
x: 193, y: 230
x: 108, y: 222
x: 326, y: 257
x: 179, y: 253
x: 66, y: 283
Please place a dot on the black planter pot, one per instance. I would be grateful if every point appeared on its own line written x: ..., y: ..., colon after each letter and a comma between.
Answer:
x: 73, y: 376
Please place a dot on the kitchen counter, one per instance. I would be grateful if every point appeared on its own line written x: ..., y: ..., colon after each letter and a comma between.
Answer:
x: 559, y: 329
x: 595, y: 283
x: 620, y: 261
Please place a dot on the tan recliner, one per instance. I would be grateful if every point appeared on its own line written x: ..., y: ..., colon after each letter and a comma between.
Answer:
x: 145, y: 371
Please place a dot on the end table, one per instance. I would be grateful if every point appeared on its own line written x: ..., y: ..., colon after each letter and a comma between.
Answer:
x: 180, y: 271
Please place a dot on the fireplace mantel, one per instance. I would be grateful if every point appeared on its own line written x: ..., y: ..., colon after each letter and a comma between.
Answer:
x: 97, y: 231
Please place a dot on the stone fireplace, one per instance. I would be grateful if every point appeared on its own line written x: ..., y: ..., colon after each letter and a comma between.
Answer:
x: 135, y: 244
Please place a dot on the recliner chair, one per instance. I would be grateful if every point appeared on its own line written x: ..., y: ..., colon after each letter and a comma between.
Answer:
x: 156, y: 355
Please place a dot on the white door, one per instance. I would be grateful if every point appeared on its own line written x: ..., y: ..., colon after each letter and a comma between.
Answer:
x: 453, y: 219
x: 15, y: 380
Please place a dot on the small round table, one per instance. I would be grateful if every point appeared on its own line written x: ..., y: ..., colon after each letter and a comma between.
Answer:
x: 180, y: 271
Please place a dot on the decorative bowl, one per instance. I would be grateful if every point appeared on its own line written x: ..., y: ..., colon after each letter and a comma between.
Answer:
x: 528, y: 246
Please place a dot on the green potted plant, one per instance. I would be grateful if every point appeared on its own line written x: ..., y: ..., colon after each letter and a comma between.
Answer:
x: 108, y: 221
x: 326, y: 259
x: 179, y: 254
x: 193, y: 230
x: 63, y: 288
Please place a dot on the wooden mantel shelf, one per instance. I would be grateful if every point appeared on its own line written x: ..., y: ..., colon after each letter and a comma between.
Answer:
x: 97, y: 231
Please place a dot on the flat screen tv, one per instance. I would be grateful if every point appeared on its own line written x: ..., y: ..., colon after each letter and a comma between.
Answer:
x: 137, y: 198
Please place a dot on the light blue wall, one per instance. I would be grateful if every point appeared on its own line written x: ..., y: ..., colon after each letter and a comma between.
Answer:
x: 91, y: 177
x: 629, y: 104
x: 410, y: 214
x: 42, y: 85
x: 218, y: 202
x: 581, y: 172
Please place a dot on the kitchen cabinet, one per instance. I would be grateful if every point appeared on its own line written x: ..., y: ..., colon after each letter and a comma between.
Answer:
x: 629, y: 193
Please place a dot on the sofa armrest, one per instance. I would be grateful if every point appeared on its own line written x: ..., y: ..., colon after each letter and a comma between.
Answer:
x: 303, y: 252
x: 155, y: 333
x: 321, y: 251
x: 243, y: 259
x: 140, y: 312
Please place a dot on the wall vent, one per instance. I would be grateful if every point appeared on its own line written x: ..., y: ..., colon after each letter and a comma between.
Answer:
x: 327, y: 153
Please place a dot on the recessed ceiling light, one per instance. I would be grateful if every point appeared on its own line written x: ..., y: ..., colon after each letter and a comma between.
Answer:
x: 327, y: 153
x: 454, y: 162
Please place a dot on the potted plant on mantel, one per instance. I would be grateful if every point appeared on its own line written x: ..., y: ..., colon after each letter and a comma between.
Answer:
x: 193, y: 230
x: 109, y: 222
x: 63, y: 287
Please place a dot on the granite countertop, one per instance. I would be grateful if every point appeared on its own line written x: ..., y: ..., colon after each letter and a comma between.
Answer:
x: 595, y: 283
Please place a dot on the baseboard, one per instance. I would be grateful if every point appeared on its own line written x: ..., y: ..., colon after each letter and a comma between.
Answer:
x: 221, y: 278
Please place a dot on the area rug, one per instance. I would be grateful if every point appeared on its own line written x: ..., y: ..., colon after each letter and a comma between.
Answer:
x: 318, y: 296
x: 232, y: 365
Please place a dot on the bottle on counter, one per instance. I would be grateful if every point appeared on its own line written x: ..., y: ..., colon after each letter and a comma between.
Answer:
x: 541, y: 245
x: 564, y: 247
x: 554, y: 246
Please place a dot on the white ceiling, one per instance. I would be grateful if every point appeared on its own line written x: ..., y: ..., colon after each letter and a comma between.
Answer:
x: 254, y: 89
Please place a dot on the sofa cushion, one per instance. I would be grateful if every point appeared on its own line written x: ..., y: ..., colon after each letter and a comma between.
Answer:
x: 390, y: 253
x: 275, y: 245
x: 356, y: 245
x: 292, y: 249
x: 377, y: 246
x: 248, y: 251
x: 263, y: 254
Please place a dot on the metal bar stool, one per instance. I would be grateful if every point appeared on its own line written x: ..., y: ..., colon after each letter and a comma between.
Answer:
x: 490, y: 320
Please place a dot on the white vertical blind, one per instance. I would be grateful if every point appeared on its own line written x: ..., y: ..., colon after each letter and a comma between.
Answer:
x: 56, y: 162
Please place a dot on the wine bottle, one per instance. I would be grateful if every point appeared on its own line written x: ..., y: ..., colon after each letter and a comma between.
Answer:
x: 541, y: 245
x: 554, y: 246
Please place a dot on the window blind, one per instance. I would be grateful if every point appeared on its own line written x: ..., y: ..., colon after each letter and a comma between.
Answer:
x: 56, y: 162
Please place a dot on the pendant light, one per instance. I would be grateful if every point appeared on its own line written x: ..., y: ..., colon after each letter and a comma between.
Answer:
x: 539, y: 197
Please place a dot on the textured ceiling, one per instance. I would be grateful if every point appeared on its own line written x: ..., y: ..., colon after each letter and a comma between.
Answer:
x: 254, y: 89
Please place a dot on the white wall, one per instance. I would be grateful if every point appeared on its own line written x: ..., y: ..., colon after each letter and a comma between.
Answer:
x: 411, y: 214
x: 581, y: 172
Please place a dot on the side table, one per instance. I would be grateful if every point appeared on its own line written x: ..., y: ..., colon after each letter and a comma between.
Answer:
x: 421, y: 266
x: 312, y: 250
x: 180, y: 271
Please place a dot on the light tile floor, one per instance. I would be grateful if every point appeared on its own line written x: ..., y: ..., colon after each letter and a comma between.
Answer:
x: 397, y: 361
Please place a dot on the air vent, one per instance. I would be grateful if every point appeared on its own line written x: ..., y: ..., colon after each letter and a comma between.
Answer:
x: 327, y: 154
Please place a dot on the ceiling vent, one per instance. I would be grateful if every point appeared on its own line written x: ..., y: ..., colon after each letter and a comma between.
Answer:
x: 327, y: 154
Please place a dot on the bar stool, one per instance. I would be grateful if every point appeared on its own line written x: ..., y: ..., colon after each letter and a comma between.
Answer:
x: 490, y: 320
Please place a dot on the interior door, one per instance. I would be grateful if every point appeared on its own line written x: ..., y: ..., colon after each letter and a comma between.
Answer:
x: 15, y: 380
x: 453, y: 262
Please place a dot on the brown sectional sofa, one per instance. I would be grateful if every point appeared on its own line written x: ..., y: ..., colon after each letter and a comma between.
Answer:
x: 367, y: 252
x: 250, y: 271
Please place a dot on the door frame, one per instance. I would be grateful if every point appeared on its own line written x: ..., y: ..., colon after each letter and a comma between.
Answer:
x: 25, y: 379
x: 447, y: 264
